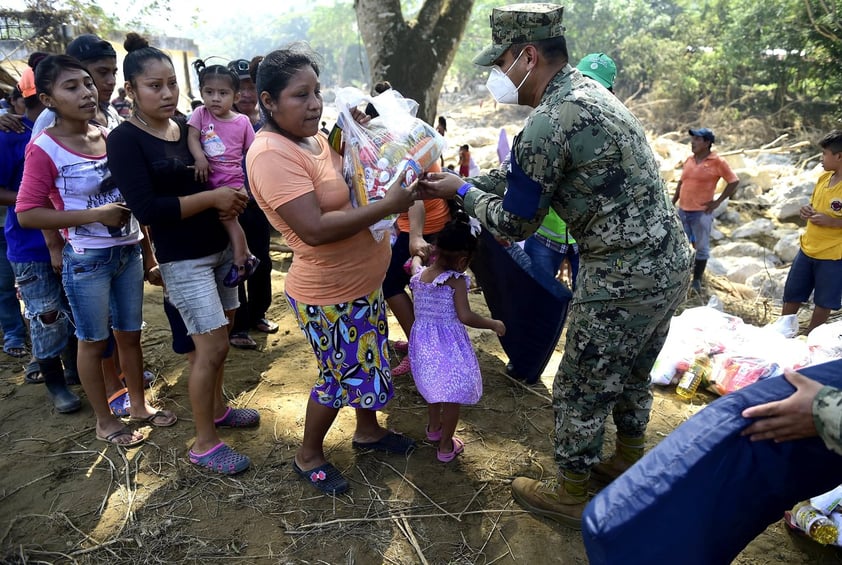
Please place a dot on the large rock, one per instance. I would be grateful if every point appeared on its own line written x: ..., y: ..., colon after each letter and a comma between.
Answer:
x: 788, y: 246
x: 744, y: 249
x: 755, y: 228
x: 789, y: 209
x: 739, y: 269
x: 769, y: 283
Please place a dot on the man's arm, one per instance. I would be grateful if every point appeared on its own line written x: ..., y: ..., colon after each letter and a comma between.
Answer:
x: 813, y: 409
x: 7, y: 197
x: 677, y: 193
x: 727, y: 192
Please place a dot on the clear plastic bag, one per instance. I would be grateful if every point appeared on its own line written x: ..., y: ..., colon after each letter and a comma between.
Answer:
x: 394, y: 143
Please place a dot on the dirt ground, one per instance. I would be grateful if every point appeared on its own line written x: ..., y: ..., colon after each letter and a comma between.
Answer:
x: 66, y: 497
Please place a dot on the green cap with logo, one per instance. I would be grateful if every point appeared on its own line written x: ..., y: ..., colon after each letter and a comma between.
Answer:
x: 599, y: 67
x: 520, y: 23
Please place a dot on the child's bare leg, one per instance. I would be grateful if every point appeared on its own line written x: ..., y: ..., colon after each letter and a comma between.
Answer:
x: 820, y: 316
x: 434, y: 417
x: 238, y: 241
x: 449, y: 420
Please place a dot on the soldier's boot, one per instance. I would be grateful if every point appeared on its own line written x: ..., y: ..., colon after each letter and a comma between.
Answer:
x: 562, y: 500
x: 629, y: 450
x: 698, y: 272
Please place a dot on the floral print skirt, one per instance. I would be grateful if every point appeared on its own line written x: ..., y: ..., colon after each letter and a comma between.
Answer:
x: 350, y: 343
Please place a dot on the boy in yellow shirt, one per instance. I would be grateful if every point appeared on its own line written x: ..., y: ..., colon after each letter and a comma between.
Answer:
x: 818, y: 265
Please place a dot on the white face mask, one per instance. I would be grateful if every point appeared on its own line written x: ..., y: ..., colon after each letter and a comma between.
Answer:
x: 501, y: 86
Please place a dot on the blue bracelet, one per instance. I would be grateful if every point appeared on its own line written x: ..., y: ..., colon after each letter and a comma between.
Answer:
x: 463, y: 190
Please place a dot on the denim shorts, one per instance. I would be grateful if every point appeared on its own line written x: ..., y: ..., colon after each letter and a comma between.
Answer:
x: 102, y: 286
x: 824, y: 276
x: 42, y: 293
x: 195, y: 287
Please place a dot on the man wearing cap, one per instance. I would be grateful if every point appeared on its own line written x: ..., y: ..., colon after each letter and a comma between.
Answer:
x: 695, y: 195
x: 599, y: 67
x: 583, y: 154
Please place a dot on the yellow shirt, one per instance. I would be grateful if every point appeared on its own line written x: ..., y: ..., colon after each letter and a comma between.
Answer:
x: 822, y: 242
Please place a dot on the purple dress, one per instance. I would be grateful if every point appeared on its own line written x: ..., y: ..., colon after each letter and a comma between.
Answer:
x: 444, y: 364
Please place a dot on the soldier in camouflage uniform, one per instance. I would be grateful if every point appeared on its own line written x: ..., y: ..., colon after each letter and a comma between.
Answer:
x: 584, y: 154
x: 813, y: 409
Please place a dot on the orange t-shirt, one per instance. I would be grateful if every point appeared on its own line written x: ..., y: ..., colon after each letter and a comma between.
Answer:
x: 279, y: 172
x: 698, y: 181
x: 436, y: 211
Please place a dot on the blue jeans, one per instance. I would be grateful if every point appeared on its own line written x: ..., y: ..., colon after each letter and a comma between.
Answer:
x: 46, y: 308
x: 14, y: 330
x: 546, y: 262
x: 697, y: 226
x: 104, y: 285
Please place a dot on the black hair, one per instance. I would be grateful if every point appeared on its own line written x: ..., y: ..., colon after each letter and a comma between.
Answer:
x: 35, y: 58
x: 456, y: 239
x: 832, y: 141
x: 382, y: 86
x: 278, y: 67
x: 138, y: 51
x: 206, y: 72
x: 15, y: 93
x: 553, y: 49
x: 443, y: 123
x: 466, y: 147
x: 253, y: 64
x: 49, y: 69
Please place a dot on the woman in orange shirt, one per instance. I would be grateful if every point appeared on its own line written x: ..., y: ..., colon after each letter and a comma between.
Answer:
x: 333, y: 284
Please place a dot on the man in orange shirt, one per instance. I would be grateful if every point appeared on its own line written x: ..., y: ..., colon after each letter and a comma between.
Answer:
x: 695, y: 195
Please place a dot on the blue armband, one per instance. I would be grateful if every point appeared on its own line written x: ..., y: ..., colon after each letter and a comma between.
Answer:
x: 523, y: 194
x: 463, y: 190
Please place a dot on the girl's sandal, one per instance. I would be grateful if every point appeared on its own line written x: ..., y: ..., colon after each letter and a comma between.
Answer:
x: 447, y: 457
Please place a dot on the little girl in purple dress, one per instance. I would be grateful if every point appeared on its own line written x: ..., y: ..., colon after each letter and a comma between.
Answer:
x: 443, y: 361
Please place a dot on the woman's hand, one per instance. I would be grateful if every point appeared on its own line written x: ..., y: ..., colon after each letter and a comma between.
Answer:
x: 439, y: 185
x: 230, y: 202
x: 400, y: 198
x: 153, y: 275
x: 11, y: 123
x: 359, y: 116
x: 56, y: 260
x: 114, y: 215
x: 419, y: 247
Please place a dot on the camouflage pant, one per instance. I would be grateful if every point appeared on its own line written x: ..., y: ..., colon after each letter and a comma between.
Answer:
x: 610, y: 349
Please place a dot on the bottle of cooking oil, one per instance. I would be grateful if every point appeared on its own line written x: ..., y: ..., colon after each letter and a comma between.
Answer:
x: 698, y: 372
x: 814, y: 523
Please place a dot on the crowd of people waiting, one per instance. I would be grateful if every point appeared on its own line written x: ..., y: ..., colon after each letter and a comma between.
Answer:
x: 98, y: 203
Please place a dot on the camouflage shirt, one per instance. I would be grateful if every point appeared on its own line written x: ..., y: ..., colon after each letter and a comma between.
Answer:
x: 827, y: 415
x: 590, y: 157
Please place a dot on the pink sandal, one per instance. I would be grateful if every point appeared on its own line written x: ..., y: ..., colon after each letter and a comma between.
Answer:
x: 447, y: 457
x: 402, y: 368
x: 434, y: 435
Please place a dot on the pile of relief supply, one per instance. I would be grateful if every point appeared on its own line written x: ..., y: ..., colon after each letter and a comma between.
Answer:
x: 394, y: 145
x: 740, y: 354
x: 819, y: 518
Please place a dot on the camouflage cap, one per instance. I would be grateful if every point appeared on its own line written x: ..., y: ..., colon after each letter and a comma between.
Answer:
x: 520, y: 23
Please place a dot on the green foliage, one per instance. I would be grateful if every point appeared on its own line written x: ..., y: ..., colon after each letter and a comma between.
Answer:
x: 768, y: 58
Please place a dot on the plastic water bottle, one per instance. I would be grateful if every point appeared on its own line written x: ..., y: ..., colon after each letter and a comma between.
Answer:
x: 693, y: 377
x: 815, y: 524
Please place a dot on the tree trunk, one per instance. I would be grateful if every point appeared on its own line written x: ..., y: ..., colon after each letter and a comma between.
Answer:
x: 413, y: 56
